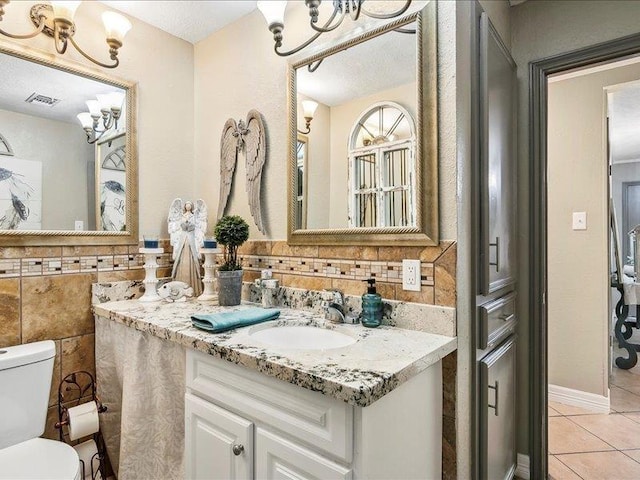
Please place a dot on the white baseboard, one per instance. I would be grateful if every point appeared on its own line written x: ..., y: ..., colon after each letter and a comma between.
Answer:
x: 522, y: 470
x: 577, y: 398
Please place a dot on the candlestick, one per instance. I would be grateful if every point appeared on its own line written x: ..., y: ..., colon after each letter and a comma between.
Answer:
x: 209, y: 280
x: 150, y: 278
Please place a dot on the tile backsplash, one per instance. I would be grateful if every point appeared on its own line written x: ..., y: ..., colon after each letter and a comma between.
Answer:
x: 319, y: 268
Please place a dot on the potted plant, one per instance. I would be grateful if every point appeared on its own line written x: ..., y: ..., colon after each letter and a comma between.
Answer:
x: 231, y: 231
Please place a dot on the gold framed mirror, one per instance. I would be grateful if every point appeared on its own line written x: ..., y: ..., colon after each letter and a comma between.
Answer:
x: 371, y: 174
x: 66, y: 182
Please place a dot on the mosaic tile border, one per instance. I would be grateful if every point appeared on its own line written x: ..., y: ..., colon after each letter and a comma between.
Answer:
x: 306, y: 267
x: 318, y: 268
x: 33, y: 262
x: 388, y: 272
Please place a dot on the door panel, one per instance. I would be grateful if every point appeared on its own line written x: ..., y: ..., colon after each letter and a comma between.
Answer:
x: 497, y: 412
x: 219, y: 443
x: 280, y: 459
x: 497, y: 162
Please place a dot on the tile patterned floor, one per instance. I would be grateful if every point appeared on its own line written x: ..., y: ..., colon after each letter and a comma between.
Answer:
x: 590, y: 446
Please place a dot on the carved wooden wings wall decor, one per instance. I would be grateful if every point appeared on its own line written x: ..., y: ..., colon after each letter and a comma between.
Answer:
x: 249, y: 136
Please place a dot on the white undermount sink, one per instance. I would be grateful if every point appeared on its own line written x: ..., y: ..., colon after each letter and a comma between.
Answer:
x: 302, y: 337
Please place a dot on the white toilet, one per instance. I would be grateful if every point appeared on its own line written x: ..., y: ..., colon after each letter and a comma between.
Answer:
x: 25, y: 380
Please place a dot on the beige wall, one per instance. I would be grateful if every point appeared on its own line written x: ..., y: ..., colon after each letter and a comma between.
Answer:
x: 162, y: 65
x: 318, y: 164
x: 578, y: 262
x: 65, y: 155
x: 236, y: 70
x: 540, y: 30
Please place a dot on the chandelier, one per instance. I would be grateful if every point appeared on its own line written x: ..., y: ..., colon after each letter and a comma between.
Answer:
x: 56, y: 20
x: 273, y: 11
x: 107, y: 107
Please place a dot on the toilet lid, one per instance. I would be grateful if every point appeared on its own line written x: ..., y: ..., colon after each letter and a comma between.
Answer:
x: 39, y: 459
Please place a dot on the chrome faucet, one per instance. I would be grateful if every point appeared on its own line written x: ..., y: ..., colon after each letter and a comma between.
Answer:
x: 335, y: 311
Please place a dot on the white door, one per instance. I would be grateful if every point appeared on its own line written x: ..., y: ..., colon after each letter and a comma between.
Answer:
x: 218, y: 443
x: 281, y: 459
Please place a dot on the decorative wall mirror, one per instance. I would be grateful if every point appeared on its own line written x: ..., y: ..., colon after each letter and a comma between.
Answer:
x: 66, y: 184
x: 366, y: 171
x: 302, y: 160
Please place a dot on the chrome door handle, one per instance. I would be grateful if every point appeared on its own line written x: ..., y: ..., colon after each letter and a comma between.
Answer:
x: 497, y: 245
x: 507, y: 317
x: 238, y: 450
x: 494, y: 406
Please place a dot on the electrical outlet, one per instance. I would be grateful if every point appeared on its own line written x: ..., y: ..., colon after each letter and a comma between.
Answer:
x: 411, y: 275
x: 79, y: 225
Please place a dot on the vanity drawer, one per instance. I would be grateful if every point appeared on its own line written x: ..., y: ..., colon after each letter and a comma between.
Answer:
x: 497, y: 320
x: 318, y: 420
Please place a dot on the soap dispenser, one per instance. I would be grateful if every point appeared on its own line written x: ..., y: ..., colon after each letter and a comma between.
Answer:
x: 371, y: 305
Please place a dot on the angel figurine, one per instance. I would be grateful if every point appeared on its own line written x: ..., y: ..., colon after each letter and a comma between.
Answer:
x: 187, y: 226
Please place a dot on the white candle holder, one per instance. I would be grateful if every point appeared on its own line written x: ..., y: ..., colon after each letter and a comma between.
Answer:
x: 209, y: 280
x: 150, y: 278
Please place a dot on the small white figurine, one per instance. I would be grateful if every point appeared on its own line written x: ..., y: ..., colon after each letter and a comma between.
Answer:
x: 175, y: 291
x: 187, y: 226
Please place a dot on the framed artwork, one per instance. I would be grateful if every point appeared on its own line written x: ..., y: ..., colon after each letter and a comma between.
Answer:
x: 5, y: 148
x: 111, y: 185
x: 20, y: 194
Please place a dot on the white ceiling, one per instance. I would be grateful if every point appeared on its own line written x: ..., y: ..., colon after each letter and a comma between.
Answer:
x: 190, y: 20
x: 624, y: 123
x: 381, y: 63
x: 27, y: 78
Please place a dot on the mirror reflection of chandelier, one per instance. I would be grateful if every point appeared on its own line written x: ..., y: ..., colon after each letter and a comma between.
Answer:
x: 56, y: 20
x: 107, y: 107
x: 308, y: 110
x: 273, y: 11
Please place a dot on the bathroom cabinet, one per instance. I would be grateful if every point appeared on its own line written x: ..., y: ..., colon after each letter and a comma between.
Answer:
x: 495, y: 324
x: 497, y: 109
x: 241, y: 424
x: 498, y: 390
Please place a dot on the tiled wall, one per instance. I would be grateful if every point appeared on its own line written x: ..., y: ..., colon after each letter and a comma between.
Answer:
x: 318, y: 268
x: 45, y: 294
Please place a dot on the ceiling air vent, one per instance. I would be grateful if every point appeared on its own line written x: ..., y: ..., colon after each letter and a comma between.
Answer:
x: 43, y: 100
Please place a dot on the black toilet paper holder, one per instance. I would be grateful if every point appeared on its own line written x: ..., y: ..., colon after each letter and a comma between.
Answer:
x: 75, y: 389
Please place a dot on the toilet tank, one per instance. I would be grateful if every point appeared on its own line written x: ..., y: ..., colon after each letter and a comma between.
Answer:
x: 25, y: 383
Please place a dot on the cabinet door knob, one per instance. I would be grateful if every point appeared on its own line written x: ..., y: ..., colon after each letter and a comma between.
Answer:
x: 238, y: 449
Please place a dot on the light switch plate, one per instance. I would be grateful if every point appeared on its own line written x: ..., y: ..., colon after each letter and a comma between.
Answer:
x: 411, y: 275
x: 79, y: 225
x: 579, y: 220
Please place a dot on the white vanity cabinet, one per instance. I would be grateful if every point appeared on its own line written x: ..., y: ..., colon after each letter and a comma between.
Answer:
x: 221, y: 442
x: 242, y: 424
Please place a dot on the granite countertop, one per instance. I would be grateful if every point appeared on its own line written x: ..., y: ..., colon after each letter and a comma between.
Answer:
x: 359, y: 374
